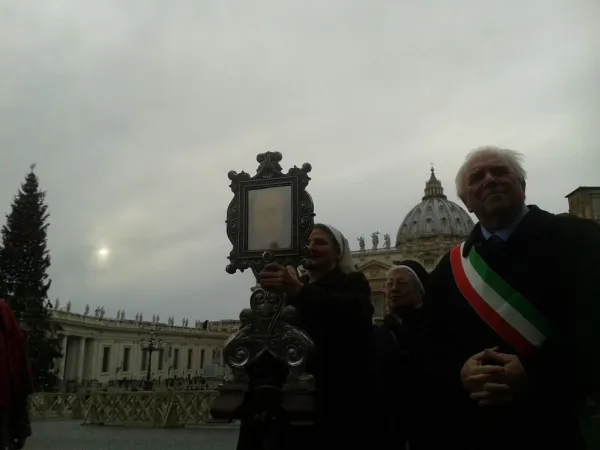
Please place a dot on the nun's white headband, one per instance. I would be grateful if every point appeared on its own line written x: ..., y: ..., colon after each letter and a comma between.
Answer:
x: 412, y: 272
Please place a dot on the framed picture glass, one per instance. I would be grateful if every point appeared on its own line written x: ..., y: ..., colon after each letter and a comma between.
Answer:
x: 269, y: 219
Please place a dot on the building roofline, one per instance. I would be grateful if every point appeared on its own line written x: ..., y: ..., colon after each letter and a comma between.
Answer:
x: 583, y: 188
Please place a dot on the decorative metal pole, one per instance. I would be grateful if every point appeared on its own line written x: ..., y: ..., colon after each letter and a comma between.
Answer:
x: 152, y: 345
x: 269, y: 220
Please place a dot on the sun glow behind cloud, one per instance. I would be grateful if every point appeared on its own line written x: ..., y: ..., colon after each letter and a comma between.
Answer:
x: 103, y: 254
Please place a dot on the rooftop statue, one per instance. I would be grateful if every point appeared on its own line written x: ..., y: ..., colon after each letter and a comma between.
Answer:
x: 387, y: 241
x: 361, y: 243
x: 375, y: 240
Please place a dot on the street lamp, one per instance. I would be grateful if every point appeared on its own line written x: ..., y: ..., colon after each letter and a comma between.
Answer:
x: 151, y: 345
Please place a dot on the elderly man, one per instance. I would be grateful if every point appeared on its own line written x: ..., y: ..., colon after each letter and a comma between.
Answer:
x: 515, y: 315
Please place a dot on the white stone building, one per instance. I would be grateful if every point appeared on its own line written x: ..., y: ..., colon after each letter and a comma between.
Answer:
x: 100, y: 349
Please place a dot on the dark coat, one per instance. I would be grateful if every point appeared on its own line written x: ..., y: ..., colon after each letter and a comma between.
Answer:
x: 336, y: 312
x: 398, y: 345
x: 554, y: 262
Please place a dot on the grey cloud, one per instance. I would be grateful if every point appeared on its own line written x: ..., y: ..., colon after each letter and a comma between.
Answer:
x: 135, y: 112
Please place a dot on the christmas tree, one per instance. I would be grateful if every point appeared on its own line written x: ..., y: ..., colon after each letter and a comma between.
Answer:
x: 24, y: 281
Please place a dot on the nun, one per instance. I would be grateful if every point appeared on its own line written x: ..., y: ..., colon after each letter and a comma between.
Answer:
x: 400, y: 348
x: 333, y: 304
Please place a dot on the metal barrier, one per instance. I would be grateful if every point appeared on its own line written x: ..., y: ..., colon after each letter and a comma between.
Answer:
x: 150, y: 409
x: 50, y: 405
x: 146, y: 409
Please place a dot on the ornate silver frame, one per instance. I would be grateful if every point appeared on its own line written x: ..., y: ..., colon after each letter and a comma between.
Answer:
x: 266, y: 329
x: 269, y: 174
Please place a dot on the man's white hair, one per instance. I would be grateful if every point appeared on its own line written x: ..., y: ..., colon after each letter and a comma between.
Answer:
x: 512, y: 158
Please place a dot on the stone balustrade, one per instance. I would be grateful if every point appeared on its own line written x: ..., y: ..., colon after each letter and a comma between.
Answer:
x: 149, y: 409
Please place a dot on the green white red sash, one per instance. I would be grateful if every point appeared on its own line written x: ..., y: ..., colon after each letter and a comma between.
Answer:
x: 500, y: 306
x: 511, y: 315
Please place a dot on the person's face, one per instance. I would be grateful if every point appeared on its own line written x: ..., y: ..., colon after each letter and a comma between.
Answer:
x: 321, y: 250
x: 401, y: 291
x: 491, y: 187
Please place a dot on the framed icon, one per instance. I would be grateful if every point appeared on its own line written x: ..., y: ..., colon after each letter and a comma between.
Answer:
x: 270, y: 212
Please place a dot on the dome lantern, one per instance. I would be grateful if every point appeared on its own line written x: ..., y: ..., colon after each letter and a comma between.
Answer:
x: 433, y: 187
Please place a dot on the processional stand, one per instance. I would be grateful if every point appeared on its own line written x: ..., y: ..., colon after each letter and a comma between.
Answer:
x: 268, y: 354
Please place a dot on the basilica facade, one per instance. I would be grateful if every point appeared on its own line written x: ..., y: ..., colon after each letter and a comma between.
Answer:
x: 429, y: 230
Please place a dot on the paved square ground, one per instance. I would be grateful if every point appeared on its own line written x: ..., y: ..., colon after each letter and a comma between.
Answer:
x: 71, y: 435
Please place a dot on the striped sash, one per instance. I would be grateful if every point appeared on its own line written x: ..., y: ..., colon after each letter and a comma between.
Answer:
x: 512, y: 317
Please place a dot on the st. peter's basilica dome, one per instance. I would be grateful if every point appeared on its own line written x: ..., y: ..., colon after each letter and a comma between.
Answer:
x: 434, y: 216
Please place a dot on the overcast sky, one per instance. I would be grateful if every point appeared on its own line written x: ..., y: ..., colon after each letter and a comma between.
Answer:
x: 135, y: 110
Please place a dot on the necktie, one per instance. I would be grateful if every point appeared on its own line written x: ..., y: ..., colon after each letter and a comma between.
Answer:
x: 494, y: 242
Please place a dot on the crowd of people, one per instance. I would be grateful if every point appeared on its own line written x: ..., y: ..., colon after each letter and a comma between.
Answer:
x: 499, y: 347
